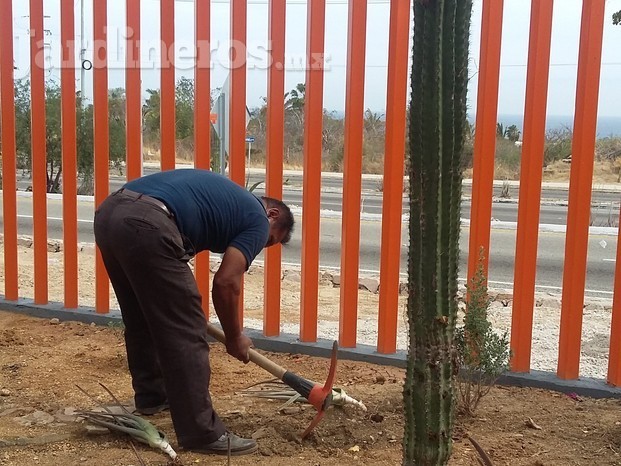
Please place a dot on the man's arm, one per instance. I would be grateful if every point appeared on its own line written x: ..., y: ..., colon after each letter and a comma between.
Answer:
x: 225, y: 293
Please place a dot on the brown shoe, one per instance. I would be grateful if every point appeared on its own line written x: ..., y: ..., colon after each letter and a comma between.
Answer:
x: 239, y: 446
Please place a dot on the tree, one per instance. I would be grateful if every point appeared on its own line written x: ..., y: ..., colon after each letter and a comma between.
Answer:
x: 294, y: 103
x: 294, y: 99
x: 151, y: 117
x: 512, y: 133
x: 53, y: 134
x: 616, y: 17
x: 184, y: 108
x: 22, y: 123
x: 437, y: 130
x: 53, y: 140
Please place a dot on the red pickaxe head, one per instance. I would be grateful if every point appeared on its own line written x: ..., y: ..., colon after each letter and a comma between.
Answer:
x: 320, y: 396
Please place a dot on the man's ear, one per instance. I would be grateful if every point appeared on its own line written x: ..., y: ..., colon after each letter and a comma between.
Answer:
x: 273, y: 213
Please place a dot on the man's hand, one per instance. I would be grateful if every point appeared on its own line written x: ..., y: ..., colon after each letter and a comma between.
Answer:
x: 239, y: 347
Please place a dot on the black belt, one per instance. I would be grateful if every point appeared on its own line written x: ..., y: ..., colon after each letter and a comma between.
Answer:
x: 149, y: 199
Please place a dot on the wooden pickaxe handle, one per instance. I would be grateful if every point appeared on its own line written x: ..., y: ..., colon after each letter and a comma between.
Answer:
x: 255, y: 357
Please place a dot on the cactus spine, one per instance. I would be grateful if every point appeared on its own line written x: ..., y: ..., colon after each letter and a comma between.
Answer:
x: 437, y: 128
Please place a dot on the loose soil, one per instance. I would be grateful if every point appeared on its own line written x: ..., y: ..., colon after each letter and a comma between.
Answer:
x: 41, y: 362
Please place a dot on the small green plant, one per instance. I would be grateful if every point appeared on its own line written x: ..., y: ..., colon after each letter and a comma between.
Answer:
x: 254, y: 185
x: 483, y: 354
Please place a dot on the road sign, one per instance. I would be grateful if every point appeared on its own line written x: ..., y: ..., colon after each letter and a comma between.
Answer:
x: 250, y: 139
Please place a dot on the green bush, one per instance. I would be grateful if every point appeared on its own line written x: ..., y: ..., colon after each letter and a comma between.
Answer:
x: 508, y: 157
x: 483, y: 354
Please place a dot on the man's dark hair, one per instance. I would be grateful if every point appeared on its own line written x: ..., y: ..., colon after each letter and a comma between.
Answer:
x: 285, y: 220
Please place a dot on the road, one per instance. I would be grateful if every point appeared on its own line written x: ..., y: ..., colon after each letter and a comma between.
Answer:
x: 605, y: 210
x: 601, y: 255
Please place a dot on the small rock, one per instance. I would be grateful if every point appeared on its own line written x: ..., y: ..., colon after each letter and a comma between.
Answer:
x: 116, y: 409
x: 24, y: 241
x: 293, y: 276
x: 66, y: 415
x: 336, y: 279
x: 5, y: 392
x: 553, y: 303
x: 380, y: 379
x: 262, y: 433
x: 371, y: 284
x: 377, y: 418
x: 403, y: 289
x: 96, y: 430
x: 36, y: 418
x: 234, y: 413
x: 504, y: 297
x: 54, y: 321
x: 9, y: 411
x: 291, y: 410
x: 93, y: 324
x: 594, y: 306
x: 54, y: 246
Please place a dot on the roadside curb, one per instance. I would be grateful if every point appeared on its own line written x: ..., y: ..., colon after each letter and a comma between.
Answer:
x: 289, y: 343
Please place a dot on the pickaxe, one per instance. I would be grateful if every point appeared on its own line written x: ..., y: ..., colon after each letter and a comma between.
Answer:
x: 320, y: 396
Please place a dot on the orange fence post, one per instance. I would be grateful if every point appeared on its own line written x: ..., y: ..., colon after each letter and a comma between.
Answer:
x: 614, y: 354
x: 202, y: 124
x: 530, y: 184
x: 580, y: 183
x: 485, y: 136
x: 392, y: 203
x: 237, y: 114
x: 9, y: 153
x: 101, y: 137
x: 311, y: 192
x: 274, y: 159
x: 352, y: 172
x: 69, y: 154
x: 39, y: 160
x: 168, y: 123
x: 133, y: 99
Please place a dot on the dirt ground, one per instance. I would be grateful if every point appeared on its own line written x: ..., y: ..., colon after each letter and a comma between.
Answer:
x: 41, y: 362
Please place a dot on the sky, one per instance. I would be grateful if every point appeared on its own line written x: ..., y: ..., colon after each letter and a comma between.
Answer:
x: 564, y: 50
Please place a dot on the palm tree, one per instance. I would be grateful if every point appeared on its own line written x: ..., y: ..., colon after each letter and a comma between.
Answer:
x: 437, y: 129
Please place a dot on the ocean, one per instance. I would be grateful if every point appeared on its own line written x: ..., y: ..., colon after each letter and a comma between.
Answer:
x: 606, y: 126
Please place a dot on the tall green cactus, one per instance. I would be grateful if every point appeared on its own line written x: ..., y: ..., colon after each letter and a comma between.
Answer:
x: 437, y: 129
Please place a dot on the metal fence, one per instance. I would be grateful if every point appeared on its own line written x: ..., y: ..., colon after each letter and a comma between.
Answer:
x: 400, y: 28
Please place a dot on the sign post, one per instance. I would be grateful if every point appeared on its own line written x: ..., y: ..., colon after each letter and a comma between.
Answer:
x: 249, y: 140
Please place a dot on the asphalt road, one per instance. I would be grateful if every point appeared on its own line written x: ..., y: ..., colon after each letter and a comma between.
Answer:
x: 601, y: 255
x: 604, y: 212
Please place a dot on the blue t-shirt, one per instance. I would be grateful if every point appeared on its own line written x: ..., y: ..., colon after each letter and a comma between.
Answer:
x: 211, y: 211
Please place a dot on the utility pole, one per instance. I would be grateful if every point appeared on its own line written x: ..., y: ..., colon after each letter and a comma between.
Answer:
x: 82, y: 54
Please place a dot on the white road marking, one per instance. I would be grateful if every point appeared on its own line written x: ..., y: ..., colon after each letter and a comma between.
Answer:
x: 56, y: 218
